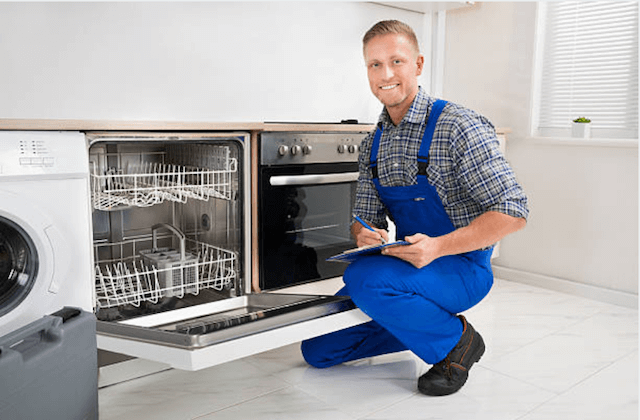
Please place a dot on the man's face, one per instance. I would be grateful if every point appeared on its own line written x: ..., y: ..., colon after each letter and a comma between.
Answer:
x: 393, y: 67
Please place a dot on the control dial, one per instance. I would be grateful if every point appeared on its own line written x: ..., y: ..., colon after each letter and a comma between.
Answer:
x: 306, y: 149
x: 353, y: 148
x: 295, y: 149
x: 283, y: 149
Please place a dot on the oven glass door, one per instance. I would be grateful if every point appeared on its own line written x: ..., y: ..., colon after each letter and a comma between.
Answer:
x: 304, y: 218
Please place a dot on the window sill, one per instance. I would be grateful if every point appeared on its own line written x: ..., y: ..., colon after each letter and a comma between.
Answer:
x: 597, y: 142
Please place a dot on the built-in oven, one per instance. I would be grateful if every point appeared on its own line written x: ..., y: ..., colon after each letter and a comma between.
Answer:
x: 307, y: 185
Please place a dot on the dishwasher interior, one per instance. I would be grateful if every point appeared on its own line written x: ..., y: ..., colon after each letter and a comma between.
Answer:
x: 171, y: 232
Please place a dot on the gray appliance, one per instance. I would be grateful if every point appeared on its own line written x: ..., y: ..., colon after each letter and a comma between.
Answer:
x: 49, y: 368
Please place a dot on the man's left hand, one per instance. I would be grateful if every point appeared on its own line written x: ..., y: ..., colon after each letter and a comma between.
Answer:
x: 420, y: 253
x: 483, y: 231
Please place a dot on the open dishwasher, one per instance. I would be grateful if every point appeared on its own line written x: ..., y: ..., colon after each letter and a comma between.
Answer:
x: 172, y: 254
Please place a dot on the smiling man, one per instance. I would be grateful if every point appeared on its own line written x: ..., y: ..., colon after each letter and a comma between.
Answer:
x: 393, y: 65
x: 435, y: 169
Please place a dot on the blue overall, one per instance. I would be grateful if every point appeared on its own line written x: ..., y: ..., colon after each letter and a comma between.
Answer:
x: 412, y: 309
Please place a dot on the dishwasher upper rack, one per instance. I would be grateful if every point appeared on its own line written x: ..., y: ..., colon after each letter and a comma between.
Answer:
x: 142, y: 179
x: 132, y: 280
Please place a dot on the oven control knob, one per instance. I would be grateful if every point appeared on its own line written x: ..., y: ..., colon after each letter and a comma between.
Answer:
x: 353, y: 148
x: 306, y: 149
x: 295, y: 149
x: 342, y: 148
x: 283, y: 149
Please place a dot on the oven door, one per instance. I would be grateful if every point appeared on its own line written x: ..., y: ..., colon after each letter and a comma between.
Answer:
x: 304, y: 218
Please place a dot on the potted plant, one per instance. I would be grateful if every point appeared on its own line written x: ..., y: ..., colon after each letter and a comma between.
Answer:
x: 581, y: 128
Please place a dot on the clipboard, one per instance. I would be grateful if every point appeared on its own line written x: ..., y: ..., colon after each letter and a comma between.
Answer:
x: 351, y: 255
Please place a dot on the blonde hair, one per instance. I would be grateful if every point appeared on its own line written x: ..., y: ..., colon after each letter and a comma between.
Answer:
x: 385, y: 27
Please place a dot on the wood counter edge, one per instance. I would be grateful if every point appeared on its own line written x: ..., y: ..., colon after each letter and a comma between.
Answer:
x: 114, y: 125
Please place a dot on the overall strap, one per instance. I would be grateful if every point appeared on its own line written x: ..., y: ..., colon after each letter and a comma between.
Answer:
x: 425, y: 145
x: 373, y: 157
x: 423, y: 153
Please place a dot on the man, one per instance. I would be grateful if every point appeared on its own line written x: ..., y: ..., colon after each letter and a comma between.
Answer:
x: 435, y: 169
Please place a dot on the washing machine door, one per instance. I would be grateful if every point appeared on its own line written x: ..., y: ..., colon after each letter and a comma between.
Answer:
x: 18, y: 265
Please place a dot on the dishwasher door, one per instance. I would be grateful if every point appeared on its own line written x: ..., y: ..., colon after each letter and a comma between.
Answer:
x: 201, y: 336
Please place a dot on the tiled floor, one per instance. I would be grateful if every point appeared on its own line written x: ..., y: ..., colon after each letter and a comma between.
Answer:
x: 550, y: 356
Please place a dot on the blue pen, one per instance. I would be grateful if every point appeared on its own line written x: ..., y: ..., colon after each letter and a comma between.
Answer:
x: 366, y: 225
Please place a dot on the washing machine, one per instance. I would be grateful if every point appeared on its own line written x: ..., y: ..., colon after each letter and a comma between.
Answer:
x: 45, y: 226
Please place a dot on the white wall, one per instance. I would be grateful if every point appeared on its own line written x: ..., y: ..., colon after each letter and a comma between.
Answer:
x: 301, y: 61
x: 583, y: 228
x: 181, y: 61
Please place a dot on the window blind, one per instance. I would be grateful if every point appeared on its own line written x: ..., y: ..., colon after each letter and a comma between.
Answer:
x: 589, y: 68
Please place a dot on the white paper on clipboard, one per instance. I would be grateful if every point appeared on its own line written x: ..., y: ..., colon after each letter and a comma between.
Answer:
x: 351, y: 255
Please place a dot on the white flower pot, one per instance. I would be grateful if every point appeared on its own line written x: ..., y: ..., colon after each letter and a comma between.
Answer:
x: 581, y: 130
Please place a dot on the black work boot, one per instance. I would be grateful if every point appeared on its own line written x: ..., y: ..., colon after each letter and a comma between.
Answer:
x: 448, y: 375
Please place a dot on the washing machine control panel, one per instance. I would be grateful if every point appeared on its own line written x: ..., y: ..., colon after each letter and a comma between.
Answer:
x: 42, y: 153
x: 35, y: 152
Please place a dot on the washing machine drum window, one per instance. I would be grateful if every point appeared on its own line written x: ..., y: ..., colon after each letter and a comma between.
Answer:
x: 18, y: 265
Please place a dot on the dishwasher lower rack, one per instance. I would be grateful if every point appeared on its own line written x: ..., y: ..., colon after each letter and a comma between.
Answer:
x: 146, y: 179
x: 138, y: 277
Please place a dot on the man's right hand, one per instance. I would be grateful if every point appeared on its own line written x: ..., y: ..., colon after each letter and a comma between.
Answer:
x: 364, y: 236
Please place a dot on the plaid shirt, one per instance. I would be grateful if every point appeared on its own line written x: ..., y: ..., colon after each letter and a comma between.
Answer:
x: 466, y: 166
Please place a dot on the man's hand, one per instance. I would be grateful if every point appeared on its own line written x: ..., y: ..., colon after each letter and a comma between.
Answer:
x: 364, y: 236
x: 420, y: 253
x: 483, y: 231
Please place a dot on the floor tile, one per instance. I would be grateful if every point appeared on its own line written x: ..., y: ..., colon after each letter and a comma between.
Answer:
x: 359, y: 389
x: 285, y: 404
x: 612, y: 393
x: 514, y: 315
x: 285, y: 363
x: 486, y: 396
x: 562, y: 359
x: 177, y: 395
x: 549, y: 356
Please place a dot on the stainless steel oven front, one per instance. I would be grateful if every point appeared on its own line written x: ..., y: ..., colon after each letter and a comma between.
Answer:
x: 307, y: 184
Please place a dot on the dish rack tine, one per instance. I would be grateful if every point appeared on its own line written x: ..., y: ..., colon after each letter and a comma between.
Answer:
x: 113, y: 284
x: 151, y: 282
x: 133, y: 281
x: 146, y: 183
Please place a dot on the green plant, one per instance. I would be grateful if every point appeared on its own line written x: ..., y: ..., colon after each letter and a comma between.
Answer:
x: 582, y: 120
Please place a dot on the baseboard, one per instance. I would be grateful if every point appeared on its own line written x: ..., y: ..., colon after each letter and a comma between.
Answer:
x: 601, y: 294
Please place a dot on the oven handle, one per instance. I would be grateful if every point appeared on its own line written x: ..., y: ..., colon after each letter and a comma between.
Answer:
x: 283, y: 180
